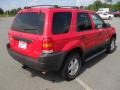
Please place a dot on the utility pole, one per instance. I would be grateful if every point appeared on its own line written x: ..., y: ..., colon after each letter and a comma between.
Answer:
x: 7, y: 13
x: 78, y: 3
x: 80, y: 7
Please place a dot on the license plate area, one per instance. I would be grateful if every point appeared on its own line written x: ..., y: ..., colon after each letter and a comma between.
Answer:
x: 22, y: 45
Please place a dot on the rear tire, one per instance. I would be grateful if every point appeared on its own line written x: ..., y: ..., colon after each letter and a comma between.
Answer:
x: 110, y: 18
x: 24, y: 66
x: 72, y: 66
x: 112, y: 45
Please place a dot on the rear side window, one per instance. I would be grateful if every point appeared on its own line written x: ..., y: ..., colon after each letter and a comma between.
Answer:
x: 61, y: 22
x: 29, y: 23
x: 83, y: 22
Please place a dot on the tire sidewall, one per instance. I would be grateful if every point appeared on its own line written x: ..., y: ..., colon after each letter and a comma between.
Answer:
x: 109, y: 47
x: 65, y: 69
x: 110, y: 18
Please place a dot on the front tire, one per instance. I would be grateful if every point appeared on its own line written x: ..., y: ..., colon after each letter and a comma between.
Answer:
x: 72, y: 66
x: 112, y: 45
x: 110, y: 18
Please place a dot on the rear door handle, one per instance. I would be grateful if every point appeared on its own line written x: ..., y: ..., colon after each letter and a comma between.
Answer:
x: 100, y: 34
x: 82, y: 37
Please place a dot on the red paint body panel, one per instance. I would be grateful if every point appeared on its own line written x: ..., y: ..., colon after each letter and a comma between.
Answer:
x: 62, y: 42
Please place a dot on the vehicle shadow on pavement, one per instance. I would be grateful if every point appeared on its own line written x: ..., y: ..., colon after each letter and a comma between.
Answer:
x: 96, y: 60
x: 93, y: 62
x: 55, y: 77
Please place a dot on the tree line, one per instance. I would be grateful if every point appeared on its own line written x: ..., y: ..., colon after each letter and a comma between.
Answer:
x: 9, y: 12
x: 94, y: 7
x: 98, y: 4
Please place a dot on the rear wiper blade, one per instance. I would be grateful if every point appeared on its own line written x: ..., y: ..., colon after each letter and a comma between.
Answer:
x: 30, y: 29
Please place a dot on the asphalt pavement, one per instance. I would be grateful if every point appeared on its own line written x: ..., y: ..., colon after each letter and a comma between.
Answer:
x: 101, y: 73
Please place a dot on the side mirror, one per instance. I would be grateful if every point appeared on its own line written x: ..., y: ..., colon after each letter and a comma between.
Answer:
x: 107, y: 25
x: 99, y: 26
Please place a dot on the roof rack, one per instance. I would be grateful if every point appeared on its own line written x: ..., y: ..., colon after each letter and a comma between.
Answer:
x: 74, y: 7
x: 55, y: 6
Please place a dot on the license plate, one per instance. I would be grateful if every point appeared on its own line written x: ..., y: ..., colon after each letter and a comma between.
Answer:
x: 22, y: 45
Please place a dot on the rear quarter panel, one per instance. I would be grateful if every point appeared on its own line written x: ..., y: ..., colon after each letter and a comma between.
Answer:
x: 66, y: 41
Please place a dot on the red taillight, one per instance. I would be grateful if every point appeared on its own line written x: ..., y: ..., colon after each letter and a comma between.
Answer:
x: 47, y: 45
x: 10, y: 38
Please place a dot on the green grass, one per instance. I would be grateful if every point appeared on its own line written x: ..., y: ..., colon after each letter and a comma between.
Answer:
x: 6, y: 15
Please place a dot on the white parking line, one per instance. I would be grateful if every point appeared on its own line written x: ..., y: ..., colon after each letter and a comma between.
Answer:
x: 83, y: 84
x: 118, y: 45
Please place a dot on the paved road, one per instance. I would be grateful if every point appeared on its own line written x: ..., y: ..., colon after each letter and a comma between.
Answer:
x: 102, y: 73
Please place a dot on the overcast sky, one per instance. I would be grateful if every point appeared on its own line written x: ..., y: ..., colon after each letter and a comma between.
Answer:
x: 10, y: 4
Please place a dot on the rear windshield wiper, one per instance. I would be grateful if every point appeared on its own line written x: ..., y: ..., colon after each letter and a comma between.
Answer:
x: 30, y: 29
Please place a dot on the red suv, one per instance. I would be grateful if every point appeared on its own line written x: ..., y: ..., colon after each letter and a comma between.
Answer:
x: 59, y: 38
x: 116, y: 13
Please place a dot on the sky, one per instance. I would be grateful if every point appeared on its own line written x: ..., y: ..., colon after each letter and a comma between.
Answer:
x: 11, y: 4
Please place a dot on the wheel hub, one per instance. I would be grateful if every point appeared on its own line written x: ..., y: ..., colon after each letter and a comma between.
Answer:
x: 73, y: 66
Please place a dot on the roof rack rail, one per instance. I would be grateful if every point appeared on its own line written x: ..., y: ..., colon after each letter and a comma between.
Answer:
x: 55, y: 6
x: 74, y: 7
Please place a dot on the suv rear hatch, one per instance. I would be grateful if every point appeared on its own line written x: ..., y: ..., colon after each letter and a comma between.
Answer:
x: 26, y: 33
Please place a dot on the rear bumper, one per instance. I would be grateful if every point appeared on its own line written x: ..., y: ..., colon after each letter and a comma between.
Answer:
x: 46, y: 62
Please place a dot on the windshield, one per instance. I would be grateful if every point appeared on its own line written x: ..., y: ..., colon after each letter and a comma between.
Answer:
x: 29, y: 23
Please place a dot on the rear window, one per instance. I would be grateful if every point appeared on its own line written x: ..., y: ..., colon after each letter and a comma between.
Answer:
x: 83, y: 22
x: 29, y: 23
x: 61, y: 22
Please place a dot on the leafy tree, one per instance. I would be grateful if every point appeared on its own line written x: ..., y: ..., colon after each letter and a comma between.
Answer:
x: 12, y: 12
x: 18, y: 10
x: 1, y: 11
x: 95, y: 6
x: 98, y: 4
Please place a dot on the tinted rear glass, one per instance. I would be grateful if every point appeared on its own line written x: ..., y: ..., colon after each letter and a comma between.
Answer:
x: 29, y: 23
x: 83, y: 22
x: 61, y: 22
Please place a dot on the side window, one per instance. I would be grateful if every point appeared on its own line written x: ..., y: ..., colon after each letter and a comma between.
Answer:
x: 99, y: 23
x: 83, y: 22
x: 61, y: 22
